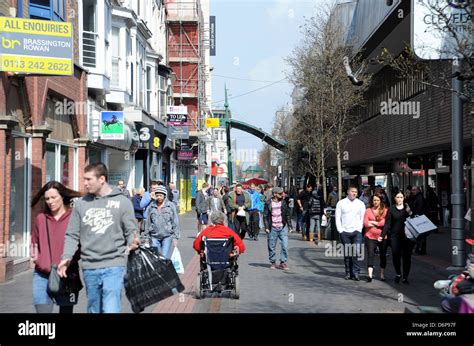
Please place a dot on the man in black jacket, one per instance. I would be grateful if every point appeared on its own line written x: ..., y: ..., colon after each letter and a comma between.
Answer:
x: 277, y: 219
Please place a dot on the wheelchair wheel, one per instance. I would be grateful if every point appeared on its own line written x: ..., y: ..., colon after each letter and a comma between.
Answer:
x: 198, y: 288
x: 235, y: 294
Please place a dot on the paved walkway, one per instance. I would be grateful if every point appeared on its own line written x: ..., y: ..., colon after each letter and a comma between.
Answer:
x: 314, y: 283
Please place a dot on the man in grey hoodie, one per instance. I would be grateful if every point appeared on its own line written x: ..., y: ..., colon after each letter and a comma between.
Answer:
x: 104, y: 225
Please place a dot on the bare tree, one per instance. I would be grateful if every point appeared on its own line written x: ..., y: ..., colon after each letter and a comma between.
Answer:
x: 319, y: 68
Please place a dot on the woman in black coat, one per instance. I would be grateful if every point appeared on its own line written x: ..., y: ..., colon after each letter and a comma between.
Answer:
x: 402, y: 247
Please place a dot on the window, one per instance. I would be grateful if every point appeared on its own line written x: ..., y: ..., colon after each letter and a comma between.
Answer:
x: 54, y: 10
x: 19, y: 206
x: 115, y: 80
x: 149, y: 88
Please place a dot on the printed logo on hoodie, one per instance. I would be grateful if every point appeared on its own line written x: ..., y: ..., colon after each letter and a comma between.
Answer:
x: 99, y: 219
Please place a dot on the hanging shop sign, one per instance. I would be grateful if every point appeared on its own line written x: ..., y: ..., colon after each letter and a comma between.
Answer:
x: 36, y: 46
x: 178, y: 132
x: 177, y: 115
x: 111, y: 125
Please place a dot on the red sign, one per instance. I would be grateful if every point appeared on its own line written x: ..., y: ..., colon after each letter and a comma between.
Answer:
x: 185, y: 155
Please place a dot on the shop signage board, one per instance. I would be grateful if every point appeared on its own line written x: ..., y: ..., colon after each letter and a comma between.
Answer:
x: 178, y: 132
x: 185, y: 155
x: 177, y: 115
x: 112, y: 125
x: 432, y: 38
x: 36, y: 46
x: 212, y: 122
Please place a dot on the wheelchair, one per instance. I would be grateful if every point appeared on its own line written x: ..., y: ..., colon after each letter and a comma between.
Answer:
x: 219, y: 269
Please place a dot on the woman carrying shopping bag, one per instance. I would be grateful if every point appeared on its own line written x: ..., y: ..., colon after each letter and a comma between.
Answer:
x: 162, y: 226
x: 47, y: 243
x: 402, y: 247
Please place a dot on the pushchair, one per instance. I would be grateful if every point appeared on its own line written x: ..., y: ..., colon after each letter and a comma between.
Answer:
x: 219, y: 268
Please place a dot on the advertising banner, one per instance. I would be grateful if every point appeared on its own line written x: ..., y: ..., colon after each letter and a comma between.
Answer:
x: 177, y: 115
x: 36, y: 46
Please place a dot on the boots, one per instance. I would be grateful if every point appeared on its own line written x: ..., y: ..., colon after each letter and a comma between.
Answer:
x: 311, y: 237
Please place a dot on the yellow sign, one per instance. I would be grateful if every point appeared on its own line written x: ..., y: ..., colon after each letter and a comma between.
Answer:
x: 36, y: 46
x: 212, y: 122
x: 156, y: 142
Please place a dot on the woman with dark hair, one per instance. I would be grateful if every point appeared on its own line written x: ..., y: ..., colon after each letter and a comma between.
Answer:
x: 374, y: 221
x: 402, y: 247
x: 47, y: 242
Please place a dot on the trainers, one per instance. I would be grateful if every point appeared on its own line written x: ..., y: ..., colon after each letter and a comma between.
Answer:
x: 273, y: 266
x: 283, y: 266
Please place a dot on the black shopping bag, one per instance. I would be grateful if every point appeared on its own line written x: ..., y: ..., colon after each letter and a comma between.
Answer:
x: 150, y: 278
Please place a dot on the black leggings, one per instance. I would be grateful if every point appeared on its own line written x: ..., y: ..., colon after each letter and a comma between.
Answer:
x: 402, y: 249
x: 371, y: 245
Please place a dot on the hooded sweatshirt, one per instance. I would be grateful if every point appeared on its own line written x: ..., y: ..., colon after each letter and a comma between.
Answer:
x: 40, y: 244
x: 104, y: 226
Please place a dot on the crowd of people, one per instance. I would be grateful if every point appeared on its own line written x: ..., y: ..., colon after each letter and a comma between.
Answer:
x: 103, y: 225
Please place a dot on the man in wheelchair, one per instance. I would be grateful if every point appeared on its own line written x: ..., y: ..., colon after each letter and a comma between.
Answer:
x: 218, y: 247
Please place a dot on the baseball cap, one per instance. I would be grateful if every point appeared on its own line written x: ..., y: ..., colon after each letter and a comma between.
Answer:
x: 276, y: 190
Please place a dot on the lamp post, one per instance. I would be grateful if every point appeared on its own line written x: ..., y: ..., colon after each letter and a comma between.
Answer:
x: 229, y: 142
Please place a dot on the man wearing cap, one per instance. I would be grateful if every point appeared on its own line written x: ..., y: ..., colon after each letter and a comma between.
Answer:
x: 162, y: 226
x: 276, y: 217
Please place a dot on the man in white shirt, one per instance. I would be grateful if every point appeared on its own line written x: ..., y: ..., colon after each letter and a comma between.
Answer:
x: 349, y: 222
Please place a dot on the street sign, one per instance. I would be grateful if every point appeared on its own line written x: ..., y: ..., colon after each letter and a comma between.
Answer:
x: 178, y: 132
x: 177, y: 115
x: 432, y: 35
x: 212, y: 122
x: 112, y: 125
x: 36, y: 46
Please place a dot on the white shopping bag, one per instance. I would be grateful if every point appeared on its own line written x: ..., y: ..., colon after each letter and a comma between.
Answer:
x: 420, y: 225
x: 177, y: 262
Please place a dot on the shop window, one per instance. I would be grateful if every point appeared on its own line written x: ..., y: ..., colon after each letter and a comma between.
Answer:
x: 19, y: 199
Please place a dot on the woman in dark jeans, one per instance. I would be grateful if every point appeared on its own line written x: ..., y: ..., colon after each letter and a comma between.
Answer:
x: 402, y: 247
x: 374, y: 221
x: 47, y: 243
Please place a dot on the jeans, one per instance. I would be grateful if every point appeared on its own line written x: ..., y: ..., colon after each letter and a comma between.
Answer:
x: 352, y: 243
x: 104, y: 289
x: 299, y: 222
x: 315, y: 225
x: 273, y: 236
x: 41, y: 299
x: 162, y: 245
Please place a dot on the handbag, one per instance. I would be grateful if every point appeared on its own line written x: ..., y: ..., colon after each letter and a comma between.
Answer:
x: 63, y: 291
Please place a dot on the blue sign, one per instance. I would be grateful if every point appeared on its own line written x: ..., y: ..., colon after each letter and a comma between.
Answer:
x: 193, y: 186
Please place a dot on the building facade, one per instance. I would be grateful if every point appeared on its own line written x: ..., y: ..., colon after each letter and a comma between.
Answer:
x: 43, y: 135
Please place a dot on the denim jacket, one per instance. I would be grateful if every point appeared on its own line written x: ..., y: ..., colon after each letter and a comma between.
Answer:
x: 162, y: 223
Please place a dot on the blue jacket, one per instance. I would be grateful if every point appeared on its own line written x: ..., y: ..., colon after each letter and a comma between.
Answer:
x: 145, y: 203
x: 254, y: 198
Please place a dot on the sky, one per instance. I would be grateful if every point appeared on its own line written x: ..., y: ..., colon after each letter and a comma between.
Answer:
x: 253, y: 37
